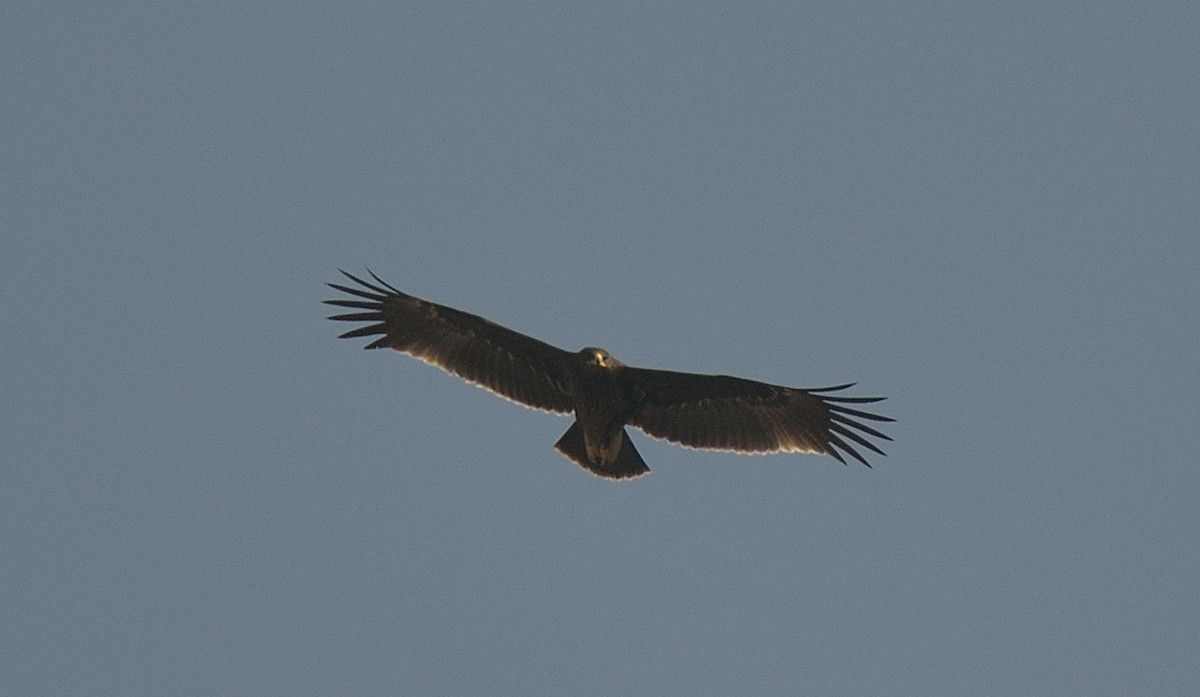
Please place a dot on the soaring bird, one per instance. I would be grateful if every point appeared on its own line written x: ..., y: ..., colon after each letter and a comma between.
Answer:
x: 711, y: 412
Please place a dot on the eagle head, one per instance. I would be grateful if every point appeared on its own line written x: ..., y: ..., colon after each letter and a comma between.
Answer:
x: 599, y: 358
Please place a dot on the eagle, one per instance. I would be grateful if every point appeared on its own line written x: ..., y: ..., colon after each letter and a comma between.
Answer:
x: 710, y: 412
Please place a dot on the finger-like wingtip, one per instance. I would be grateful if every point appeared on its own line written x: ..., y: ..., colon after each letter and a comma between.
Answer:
x: 384, y: 283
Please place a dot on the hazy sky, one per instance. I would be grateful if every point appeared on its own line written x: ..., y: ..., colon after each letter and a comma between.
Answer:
x: 987, y: 214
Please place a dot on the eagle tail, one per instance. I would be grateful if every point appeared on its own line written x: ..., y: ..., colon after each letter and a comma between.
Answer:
x: 629, y: 462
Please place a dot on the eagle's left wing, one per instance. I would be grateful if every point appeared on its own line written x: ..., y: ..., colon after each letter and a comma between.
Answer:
x: 719, y: 412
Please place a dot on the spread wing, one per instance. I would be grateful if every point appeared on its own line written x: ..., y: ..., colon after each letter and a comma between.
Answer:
x: 718, y: 412
x: 512, y: 365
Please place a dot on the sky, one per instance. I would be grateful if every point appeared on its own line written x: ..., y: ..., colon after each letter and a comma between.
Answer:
x: 984, y: 211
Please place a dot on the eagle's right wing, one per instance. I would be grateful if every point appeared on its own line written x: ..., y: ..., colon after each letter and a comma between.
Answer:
x: 512, y: 365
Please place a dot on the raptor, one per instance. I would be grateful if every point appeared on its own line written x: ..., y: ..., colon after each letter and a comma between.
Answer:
x: 713, y: 412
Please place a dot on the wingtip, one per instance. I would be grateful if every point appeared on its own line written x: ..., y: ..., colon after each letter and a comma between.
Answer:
x: 384, y: 283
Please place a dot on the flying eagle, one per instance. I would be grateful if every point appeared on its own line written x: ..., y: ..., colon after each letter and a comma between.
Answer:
x: 712, y: 412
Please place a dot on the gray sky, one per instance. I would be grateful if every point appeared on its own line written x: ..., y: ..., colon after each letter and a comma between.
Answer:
x: 988, y: 215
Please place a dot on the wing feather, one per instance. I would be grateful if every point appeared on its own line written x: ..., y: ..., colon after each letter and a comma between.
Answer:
x: 719, y: 412
x: 513, y: 365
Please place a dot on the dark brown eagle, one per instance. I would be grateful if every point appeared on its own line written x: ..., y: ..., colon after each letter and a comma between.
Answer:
x: 712, y: 412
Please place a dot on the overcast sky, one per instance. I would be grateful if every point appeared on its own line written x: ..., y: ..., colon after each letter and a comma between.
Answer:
x: 988, y: 215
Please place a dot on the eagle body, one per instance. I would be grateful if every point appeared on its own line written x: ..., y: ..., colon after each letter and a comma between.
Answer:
x: 716, y: 412
x: 603, y: 404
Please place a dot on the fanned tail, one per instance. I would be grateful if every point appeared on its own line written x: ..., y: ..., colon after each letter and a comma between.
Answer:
x: 628, y: 464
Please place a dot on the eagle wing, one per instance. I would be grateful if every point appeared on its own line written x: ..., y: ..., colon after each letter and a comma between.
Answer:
x: 510, y: 364
x: 719, y: 412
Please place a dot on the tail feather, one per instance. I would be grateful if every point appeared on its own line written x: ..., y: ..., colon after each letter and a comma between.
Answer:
x: 629, y: 462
